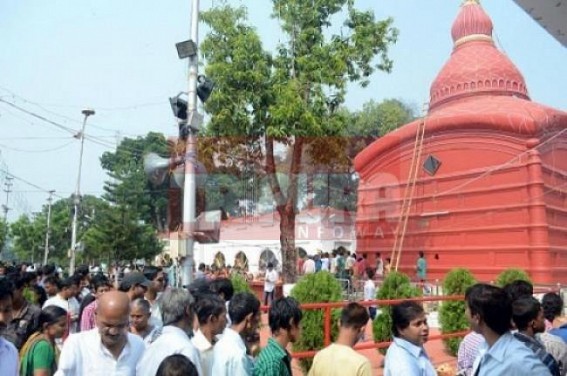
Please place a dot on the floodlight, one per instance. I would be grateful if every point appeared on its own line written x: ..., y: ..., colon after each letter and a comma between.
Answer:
x: 186, y: 49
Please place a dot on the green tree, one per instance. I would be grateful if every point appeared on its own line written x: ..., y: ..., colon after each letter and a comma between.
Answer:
x: 27, y: 236
x: 289, y: 97
x: 130, y: 186
x: 28, y: 233
x: 4, y: 232
x: 510, y: 275
x: 452, y: 313
x: 377, y: 119
x: 321, y: 287
x: 117, y: 235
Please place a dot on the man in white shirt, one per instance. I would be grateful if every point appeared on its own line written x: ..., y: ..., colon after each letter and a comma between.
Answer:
x: 230, y: 358
x: 309, y: 265
x: 65, y: 299
x: 174, y: 339
x: 8, y: 352
x: 108, y: 350
x: 270, y: 284
x: 211, y: 313
x: 379, y: 265
x: 370, y: 292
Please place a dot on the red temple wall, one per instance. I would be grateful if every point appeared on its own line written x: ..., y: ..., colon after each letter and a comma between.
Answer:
x: 463, y: 216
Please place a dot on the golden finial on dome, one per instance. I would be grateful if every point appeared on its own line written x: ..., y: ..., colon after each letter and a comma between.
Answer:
x: 468, y: 2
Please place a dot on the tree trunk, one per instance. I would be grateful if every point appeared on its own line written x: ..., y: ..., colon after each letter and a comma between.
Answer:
x: 287, y: 242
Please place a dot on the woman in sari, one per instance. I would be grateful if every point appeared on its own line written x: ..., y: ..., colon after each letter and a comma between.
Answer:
x: 39, y: 354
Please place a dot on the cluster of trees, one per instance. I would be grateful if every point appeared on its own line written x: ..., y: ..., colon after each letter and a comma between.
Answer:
x: 123, y: 224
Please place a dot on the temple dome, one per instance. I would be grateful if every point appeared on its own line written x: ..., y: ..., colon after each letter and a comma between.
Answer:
x: 476, y: 66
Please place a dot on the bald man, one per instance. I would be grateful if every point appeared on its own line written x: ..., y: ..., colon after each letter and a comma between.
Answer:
x: 108, y: 349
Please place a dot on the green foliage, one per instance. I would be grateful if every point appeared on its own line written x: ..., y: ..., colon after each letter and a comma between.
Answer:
x: 377, y: 119
x: 396, y: 285
x: 130, y: 186
x: 511, y: 275
x: 321, y: 287
x: 452, y: 313
x: 28, y: 233
x: 288, y: 97
x: 239, y: 284
x: 4, y: 232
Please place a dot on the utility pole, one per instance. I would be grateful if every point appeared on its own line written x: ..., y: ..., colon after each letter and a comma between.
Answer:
x: 8, y: 188
x: 8, y: 184
x: 190, y: 189
x: 77, y: 196
x: 46, y: 251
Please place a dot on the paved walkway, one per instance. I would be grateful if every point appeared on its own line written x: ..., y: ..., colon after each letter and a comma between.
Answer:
x: 435, y: 350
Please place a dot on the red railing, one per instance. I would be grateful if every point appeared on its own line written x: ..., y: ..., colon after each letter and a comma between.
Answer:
x: 327, y: 307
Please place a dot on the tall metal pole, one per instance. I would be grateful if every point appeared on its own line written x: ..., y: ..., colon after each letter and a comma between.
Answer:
x: 46, y: 250
x: 77, y: 196
x: 190, y: 191
x: 8, y: 183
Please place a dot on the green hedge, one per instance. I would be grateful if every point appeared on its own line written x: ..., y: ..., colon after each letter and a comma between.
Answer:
x: 396, y: 286
x: 239, y: 284
x: 511, y: 275
x: 321, y: 287
x: 452, y: 313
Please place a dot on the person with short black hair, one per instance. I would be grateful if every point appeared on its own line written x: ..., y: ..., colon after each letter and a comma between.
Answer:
x: 135, y: 284
x: 51, y: 285
x: 157, y: 278
x: 528, y: 318
x: 519, y: 289
x: 270, y: 283
x: 101, y: 285
x: 406, y: 355
x: 24, y: 313
x: 489, y: 311
x: 230, y: 352
x: 552, y: 304
x: 223, y: 288
x: 370, y: 292
x: 8, y: 352
x: 211, y: 314
x: 339, y: 358
x: 65, y: 299
x: 284, y: 319
x: 176, y: 365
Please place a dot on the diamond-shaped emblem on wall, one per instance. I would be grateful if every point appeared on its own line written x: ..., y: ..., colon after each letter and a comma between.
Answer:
x: 431, y: 165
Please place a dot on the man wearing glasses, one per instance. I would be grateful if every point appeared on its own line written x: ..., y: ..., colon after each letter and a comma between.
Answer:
x: 108, y: 349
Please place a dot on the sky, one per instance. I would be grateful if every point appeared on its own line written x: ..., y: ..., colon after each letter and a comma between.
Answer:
x: 119, y: 58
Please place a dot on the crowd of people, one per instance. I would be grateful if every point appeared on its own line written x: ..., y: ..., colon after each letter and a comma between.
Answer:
x: 87, y: 325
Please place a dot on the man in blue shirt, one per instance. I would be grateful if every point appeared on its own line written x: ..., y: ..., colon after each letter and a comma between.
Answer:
x: 489, y: 311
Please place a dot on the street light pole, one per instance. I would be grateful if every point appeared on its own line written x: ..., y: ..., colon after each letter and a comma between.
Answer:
x: 77, y: 199
x: 46, y: 250
x: 190, y: 190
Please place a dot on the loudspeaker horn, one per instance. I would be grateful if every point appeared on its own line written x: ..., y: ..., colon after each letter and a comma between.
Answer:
x: 157, y: 167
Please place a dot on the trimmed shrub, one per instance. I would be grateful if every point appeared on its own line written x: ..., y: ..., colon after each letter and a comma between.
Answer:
x: 452, y: 313
x: 321, y: 287
x: 396, y: 285
x: 511, y: 275
x: 239, y: 284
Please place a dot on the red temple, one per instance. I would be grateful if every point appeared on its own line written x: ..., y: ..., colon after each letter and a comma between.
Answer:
x: 490, y: 185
